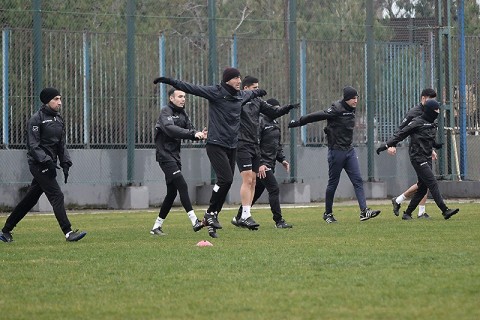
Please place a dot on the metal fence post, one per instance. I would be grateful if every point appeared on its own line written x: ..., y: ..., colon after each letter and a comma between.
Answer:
x: 37, y: 48
x: 370, y: 101
x: 5, y: 93
x: 461, y: 89
x: 86, y: 90
x: 292, y: 46
x: 131, y: 92
x: 303, y: 88
x: 162, y: 69
x: 440, y: 86
x: 234, y: 51
x: 212, y: 61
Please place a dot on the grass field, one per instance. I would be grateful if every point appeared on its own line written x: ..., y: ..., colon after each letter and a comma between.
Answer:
x: 384, y: 268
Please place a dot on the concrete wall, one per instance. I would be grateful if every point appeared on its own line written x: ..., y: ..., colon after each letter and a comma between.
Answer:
x: 97, y: 174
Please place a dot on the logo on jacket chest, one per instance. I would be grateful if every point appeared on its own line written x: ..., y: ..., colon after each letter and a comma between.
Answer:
x: 170, y: 118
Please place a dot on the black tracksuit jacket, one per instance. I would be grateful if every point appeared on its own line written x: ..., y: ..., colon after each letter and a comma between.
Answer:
x: 270, y: 146
x: 224, y: 110
x: 340, y: 124
x: 172, y: 126
x: 422, y: 139
x: 250, y: 117
x: 411, y: 114
x: 46, y: 138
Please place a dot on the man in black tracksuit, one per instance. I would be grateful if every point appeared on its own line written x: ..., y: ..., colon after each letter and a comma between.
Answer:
x: 422, y: 131
x: 225, y: 103
x: 248, y: 151
x: 172, y: 126
x: 45, y: 144
x: 341, y: 154
x: 270, y: 151
x: 414, y: 112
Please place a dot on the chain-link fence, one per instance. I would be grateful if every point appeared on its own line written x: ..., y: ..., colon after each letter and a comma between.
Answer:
x: 84, y: 54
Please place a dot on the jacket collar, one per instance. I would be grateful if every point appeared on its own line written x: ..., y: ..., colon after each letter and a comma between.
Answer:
x: 346, y: 106
x: 231, y: 90
x: 47, y: 110
x: 175, y: 108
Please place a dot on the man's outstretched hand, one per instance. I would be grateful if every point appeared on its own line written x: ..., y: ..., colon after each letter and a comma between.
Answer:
x: 294, y: 106
x: 294, y: 123
x: 163, y: 80
x: 382, y: 148
x: 261, y: 92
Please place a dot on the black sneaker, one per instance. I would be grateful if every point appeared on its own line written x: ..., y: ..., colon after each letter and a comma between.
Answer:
x: 406, y: 216
x: 75, y: 235
x: 212, y: 232
x: 329, y: 218
x: 210, y: 219
x: 447, y: 214
x: 6, y: 236
x: 283, y: 225
x: 198, y: 226
x: 158, y: 232
x: 396, y: 206
x: 248, y: 223
x: 235, y: 222
x: 368, y: 213
x: 423, y: 216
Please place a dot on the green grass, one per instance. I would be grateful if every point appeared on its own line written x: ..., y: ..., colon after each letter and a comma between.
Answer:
x: 384, y: 268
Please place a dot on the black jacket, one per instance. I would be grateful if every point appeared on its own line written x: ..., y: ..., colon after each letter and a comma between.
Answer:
x: 340, y: 123
x: 172, y: 126
x: 250, y: 115
x: 270, y: 147
x: 422, y: 139
x: 224, y: 110
x: 412, y: 113
x: 46, y: 138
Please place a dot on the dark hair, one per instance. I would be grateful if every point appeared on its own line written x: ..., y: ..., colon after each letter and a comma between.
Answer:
x: 171, y: 92
x: 248, y: 81
x: 430, y: 93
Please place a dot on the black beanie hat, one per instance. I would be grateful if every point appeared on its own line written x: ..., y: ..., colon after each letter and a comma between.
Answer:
x: 229, y: 74
x: 48, y: 94
x: 429, y: 110
x: 432, y: 104
x: 273, y: 102
x: 349, y: 93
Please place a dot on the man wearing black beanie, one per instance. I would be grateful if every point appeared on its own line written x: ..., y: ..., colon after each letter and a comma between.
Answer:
x: 229, y: 74
x: 422, y: 131
x: 225, y: 103
x: 341, y: 154
x: 45, y: 144
x: 349, y: 93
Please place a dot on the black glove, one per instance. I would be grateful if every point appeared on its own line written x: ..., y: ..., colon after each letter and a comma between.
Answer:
x: 65, y: 168
x: 163, y: 80
x: 437, y: 145
x: 261, y: 93
x: 294, y: 106
x: 49, y: 169
x: 382, y: 148
x: 294, y: 123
